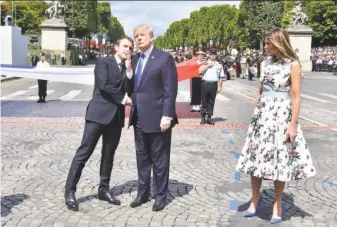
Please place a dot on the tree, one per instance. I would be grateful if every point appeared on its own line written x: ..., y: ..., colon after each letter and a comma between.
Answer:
x: 28, y: 15
x: 323, y: 20
x: 104, y: 13
x: 260, y: 17
x: 5, y: 10
x: 116, y: 29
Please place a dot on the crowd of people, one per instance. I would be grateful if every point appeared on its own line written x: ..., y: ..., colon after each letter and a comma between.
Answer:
x: 324, y: 59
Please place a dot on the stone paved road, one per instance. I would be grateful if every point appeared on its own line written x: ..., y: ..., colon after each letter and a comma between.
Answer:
x: 39, y: 141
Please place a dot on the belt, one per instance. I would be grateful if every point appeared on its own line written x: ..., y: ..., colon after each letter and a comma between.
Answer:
x: 280, y: 94
x: 212, y: 82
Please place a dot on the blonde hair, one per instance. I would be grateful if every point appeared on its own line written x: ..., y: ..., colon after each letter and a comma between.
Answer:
x: 147, y: 27
x: 280, y: 40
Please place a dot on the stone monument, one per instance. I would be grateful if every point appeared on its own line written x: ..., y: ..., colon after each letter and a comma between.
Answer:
x: 13, y: 45
x: 300, y: 35
x: 54, y: 30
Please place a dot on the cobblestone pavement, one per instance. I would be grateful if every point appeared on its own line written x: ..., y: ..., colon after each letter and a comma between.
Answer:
x: 204, y: 189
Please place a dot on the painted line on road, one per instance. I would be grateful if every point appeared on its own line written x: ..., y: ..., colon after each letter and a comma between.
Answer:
x: 17, y: 93
x: 70, y: 95
x: 328, y: 95
x: 314, y: 98
x: 233, y: 206
x: 330, y: 183
x: 35, y: 97
x: 328, y: 111
x: 237, y: 176
x: 32, y: 87
x: 301, y: 117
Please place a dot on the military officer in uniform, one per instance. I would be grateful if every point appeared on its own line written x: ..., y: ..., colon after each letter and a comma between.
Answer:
x: 212, y: 76
x: 42, y: 83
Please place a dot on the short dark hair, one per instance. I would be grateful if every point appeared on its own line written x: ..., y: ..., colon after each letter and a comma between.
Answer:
x: 43, y: 54
x: 123, y: 37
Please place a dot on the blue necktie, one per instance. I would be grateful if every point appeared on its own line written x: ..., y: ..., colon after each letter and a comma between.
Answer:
x: 139, y: 69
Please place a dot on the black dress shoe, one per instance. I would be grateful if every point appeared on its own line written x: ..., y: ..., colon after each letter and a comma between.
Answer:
x: 71, y: 201
x: 107, y: 196
x: 209, y: 121
x: 137, y: 202
x: 157, y: 206
x: 39, y: 101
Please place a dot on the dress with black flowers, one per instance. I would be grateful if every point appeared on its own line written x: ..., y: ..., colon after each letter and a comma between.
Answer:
x: 267, y: 152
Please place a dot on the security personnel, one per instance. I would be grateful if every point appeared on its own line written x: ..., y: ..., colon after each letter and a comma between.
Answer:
x: 42, y: 83
x: 212, y: 75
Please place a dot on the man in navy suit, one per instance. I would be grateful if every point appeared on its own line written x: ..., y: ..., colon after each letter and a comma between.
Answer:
x: 152, y: 115
x: 104, y: 117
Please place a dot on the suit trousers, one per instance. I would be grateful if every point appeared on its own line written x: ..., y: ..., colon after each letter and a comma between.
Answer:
x: 153, y: 152
x: 208, y: 94
x: 42, y: 88
x: 92, y: 132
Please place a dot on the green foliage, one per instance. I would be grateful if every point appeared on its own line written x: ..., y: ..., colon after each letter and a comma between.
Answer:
x: 116, y: 29
x: 28, y: 15
x: 323, y: 20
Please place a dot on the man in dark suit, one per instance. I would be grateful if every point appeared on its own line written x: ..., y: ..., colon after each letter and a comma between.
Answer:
x: 105, y: 116
x: 152, y: 115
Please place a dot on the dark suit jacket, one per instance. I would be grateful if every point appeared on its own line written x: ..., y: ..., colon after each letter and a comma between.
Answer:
x: 156, y: 94
x: 108, y: 93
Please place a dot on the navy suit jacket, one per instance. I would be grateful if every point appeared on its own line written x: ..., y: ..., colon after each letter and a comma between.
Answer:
x: 156, y: 94
x: 109, y: 91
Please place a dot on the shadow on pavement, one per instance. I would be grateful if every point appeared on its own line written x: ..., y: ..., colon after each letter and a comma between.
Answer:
x: 176, y: 189
x: 265, y: 212
x: 10, y: 201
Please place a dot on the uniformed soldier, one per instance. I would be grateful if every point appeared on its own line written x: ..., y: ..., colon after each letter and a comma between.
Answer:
x: 212, y: 76
x: 42, y: 83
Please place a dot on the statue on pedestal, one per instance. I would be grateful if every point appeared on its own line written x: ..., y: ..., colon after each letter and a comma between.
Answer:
x: 298, y: 18
x: 56, y: 11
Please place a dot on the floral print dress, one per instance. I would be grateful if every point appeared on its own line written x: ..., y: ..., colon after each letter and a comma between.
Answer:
x: 267, y: 152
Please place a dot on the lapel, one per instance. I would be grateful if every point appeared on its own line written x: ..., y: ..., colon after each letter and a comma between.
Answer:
x: 152, y: 58
x: 115, y: 65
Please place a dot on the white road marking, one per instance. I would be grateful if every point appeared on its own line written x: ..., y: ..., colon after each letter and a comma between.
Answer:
x: 317, y: 123
x: 248, y: 97
x: 328, y: 95
x: 314, y: 98
x: 35, y: 97
x: 17, y: 93
x: 32, y: 87
x: 301, y: 117
x: 71, y: 94
x: 222, y: 98
x: 328, y: 111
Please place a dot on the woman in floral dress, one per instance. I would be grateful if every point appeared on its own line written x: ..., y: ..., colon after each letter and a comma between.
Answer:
x: 275, y: 148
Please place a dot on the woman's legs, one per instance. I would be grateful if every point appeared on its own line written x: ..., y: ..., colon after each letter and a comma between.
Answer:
x: 256, y: 185
x: 277, y: 206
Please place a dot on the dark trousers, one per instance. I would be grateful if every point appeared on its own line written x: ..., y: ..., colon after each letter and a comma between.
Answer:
x: 196, y: 91
x: 208, y: 94
x: 92, y: 132
x: 42, y: 88
x: 153, y: 152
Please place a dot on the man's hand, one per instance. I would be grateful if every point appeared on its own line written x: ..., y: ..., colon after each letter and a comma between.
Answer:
x: 128, y: 63
x: 165, y: 124
x: 129, y: 102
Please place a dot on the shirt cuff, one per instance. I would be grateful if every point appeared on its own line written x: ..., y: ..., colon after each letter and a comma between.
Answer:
x: 124, y: 99
x: 167, y: 118
x: 129, y: 74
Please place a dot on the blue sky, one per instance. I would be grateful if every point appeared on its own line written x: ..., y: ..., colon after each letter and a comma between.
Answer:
x: 158, y: 14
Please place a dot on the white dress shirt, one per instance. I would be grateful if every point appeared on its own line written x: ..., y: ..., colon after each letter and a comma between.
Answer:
x: 128, y: 74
